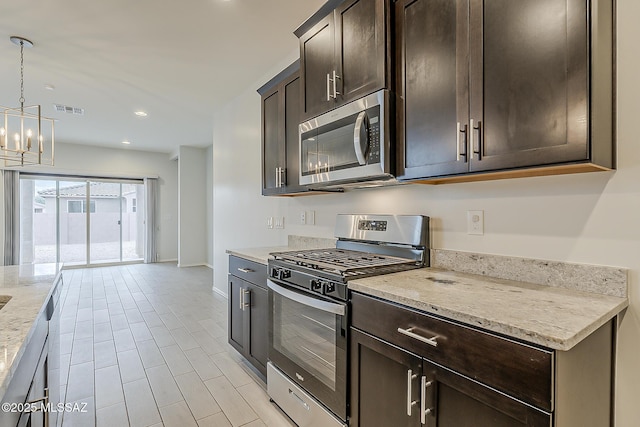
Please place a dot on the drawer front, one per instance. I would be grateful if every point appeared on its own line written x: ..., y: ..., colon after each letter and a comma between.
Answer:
x: 250, y: 271
x: 519, y: 370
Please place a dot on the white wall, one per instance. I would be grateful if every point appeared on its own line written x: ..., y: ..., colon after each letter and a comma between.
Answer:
x: 239, y: 211
x: 209, y: 174
x: 192, y: 206
x: 126, y: 162
x: 588, y: 218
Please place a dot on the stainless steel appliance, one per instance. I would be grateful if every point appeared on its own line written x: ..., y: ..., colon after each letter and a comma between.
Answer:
x: 309, y: 310
x: 348, y: 144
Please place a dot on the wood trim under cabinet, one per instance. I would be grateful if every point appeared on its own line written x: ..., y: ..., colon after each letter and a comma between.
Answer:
x: 516, y: 173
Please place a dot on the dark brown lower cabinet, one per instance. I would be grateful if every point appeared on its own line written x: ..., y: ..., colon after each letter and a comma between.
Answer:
x: 411, y: 368
x: 389, y: 385
x: 382, y: 383
x: 248, y: 312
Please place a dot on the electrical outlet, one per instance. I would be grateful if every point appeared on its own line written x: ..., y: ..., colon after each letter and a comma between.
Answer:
x: 269, y: 222
x: 303, y: 217
x: 311, y: 217
x: 279, y: 222
x: 475, y: 222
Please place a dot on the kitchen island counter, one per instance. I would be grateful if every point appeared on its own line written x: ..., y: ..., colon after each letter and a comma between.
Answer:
x: 29, y: 287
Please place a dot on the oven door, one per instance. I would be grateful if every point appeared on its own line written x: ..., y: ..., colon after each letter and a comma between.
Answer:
x: 308, y: 342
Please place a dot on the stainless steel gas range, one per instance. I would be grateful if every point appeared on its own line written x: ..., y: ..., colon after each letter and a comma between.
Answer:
x: 309, y: 310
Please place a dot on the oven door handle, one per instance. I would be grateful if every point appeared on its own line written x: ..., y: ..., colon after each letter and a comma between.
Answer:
x: 316, y: 303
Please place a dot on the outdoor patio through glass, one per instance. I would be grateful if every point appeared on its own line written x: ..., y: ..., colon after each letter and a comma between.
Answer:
x: 81, y: 221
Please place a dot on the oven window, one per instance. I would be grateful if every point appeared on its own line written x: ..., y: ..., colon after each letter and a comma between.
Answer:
x: 306, y: 336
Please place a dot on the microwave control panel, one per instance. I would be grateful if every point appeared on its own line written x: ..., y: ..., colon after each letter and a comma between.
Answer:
x: 374, y: 138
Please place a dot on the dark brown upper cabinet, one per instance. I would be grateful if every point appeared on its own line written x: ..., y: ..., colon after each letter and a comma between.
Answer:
x: 343, y: 53
x: 511, y: 88
x: 280, y: 120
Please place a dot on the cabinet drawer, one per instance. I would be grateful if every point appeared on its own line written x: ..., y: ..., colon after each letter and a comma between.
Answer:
x: 522, y: 371
x: 250, y: 271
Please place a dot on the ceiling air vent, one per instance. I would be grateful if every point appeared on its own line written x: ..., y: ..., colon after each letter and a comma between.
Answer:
x: 68, y: 110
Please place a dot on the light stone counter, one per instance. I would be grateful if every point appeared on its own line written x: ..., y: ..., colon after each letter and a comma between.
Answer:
x: 29, y: 287
x: 261, y: 255
x: 550, y: 316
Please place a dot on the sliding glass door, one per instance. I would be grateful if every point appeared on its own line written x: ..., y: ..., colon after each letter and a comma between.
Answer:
x: 72, y: 221
x: 80, y: 221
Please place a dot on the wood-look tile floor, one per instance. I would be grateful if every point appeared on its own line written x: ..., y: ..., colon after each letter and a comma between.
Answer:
x: 146, y: 345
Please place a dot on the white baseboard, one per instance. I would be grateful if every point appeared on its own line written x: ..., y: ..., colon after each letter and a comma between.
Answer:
x: 221, y: 293
x: 191, y: 265
x: 209, y: 265
x: 168, y: 260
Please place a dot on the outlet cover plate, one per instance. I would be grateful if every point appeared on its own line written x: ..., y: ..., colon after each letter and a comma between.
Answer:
x: 475, y: 223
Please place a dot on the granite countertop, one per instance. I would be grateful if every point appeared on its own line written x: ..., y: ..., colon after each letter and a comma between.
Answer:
x: 260, y: 255
x: 29, y: 286
x: 549, y: 316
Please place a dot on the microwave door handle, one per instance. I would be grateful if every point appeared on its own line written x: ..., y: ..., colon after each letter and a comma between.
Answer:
x: 357, y: 136
x: 316, y: 303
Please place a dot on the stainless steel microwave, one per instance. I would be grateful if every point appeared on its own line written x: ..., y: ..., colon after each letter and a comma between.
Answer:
x: 349, y: 144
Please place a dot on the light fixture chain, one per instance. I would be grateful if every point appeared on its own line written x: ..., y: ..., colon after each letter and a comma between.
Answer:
x: 21, y: 73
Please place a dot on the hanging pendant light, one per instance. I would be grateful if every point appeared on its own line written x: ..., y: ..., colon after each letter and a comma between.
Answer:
x: 26, y: 137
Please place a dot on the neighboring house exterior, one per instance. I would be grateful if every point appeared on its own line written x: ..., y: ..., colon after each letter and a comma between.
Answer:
x: 104, y: 207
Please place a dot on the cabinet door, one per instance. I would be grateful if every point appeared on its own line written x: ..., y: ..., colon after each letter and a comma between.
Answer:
x: 361, y: 38
x: 257, y: 302
x: 316, y: 63
x: 236, y: 321
x: 273, y: 147
x: 291, y: 89
x: 385, y: 381
x: 529, y: 82
x: 453, y: 400
x: 432, y: 83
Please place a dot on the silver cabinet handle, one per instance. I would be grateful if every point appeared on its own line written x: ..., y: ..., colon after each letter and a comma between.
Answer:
x: 424, y: 411
x: 283, y: 177
x: 245, y: 270
x: 409, y: 332
x: 45, y: 401
x: 476, y: 143
x: 277, y: 176
x: 410, y: 402
x: 241, y: 299
x: 460, y: 129
x: 328, y: 87
x: 335, y: 85
x: 357, y: 131
x: 246, y: 297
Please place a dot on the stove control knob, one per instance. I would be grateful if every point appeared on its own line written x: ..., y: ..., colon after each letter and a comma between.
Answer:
x: 329, y: 288
x: 316, y: 285
x: 275, y: 272
x: 285, y: 274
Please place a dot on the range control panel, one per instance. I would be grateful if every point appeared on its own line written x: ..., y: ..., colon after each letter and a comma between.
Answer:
x: 369, y: 225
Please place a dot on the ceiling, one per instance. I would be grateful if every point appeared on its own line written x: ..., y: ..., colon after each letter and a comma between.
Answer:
x: 178, y: 61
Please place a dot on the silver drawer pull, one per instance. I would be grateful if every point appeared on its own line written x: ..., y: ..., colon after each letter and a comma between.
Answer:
x: 245, y: 270
x: 409, y: 332
x: 410, y: 402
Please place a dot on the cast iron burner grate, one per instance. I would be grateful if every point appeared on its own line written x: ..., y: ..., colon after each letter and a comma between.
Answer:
x: 343, y: 261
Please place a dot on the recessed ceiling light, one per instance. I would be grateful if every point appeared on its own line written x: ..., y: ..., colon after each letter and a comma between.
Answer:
x: 126, y: 142
x: 141, y: 113
x: 49, y: 86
